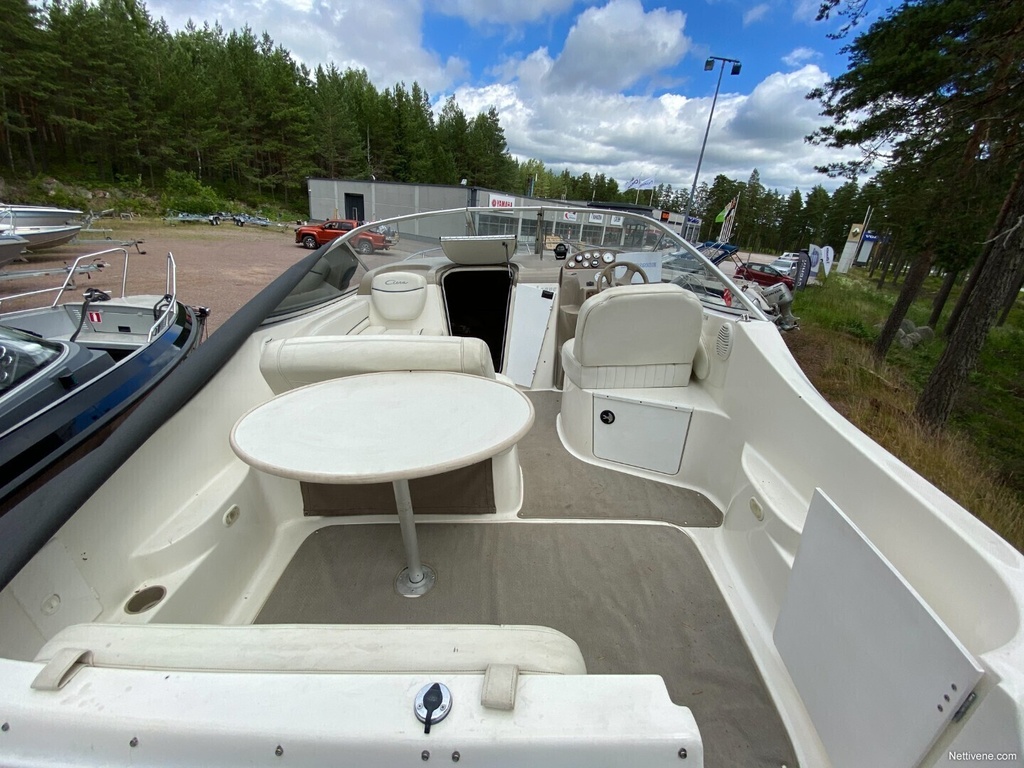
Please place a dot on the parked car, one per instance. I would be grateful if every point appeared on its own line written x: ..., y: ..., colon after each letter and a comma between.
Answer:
x: 762, y: 274
x: 786, y: 263
x: 315, y: 235
x: 390, y: 234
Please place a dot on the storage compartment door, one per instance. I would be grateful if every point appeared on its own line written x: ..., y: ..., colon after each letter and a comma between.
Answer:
x: 640, y: 433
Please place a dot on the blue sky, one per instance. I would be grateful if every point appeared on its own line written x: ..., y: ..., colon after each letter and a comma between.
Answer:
x: 613, y: 86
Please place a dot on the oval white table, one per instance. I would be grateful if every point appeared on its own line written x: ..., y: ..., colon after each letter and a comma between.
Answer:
x: 384, y: 427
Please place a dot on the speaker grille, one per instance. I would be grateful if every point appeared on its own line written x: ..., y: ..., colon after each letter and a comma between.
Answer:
x: 723, y: 344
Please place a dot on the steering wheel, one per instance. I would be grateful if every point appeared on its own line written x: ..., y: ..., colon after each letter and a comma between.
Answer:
x: 607, y: 275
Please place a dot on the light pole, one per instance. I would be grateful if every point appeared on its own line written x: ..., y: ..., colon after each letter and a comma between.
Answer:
x: 709, y: 65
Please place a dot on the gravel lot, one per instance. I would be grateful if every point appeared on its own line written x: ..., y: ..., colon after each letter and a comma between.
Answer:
x: 217, y: 267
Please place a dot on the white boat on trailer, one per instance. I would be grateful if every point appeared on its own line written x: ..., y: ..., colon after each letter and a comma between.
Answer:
x: 41, y: 238
x: 39, y: 215
x: 605, y: 552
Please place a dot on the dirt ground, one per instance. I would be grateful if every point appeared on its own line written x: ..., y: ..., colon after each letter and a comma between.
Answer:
x: 217, y: 267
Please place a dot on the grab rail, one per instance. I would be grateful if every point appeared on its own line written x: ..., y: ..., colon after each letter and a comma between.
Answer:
x: 170, y: 286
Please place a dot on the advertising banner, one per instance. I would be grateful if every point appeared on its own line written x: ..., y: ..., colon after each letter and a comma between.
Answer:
x: 803, y: 270
x: 502, y: 201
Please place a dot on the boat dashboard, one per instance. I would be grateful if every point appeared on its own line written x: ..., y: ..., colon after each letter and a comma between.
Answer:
x: 591, y: 259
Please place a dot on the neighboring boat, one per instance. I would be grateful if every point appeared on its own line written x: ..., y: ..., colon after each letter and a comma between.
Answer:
x: 38, y: 215
x: 69, y: 372
x: 690, y: 558
x: 40, y: 238
x: 11, y: 247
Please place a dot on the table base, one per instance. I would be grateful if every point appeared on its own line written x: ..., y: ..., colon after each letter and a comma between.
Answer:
x: 407, y: 588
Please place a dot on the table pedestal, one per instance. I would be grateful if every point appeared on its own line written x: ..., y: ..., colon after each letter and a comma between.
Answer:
x: 416, y: 578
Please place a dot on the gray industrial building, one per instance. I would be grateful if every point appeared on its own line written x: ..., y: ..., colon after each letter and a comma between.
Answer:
x: 373, y: 200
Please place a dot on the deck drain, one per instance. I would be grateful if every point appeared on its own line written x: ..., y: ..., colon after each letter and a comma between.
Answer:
x: 144, y: 599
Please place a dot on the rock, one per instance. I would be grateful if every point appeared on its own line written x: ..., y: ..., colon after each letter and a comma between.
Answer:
x: 908, y: 326
x: 926, y: 333
x: 906, y: 341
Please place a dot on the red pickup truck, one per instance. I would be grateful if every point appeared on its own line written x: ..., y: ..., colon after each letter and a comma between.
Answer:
x: 315, y: 235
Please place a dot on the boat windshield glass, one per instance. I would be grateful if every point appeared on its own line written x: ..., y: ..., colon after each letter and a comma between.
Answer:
x: 539, y: 241
x: 22, y: 355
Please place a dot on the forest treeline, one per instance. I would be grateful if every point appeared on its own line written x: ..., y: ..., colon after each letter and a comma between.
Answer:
x: 101, y: 92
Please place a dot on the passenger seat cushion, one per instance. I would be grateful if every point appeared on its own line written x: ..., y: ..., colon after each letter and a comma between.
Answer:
x: 381, y: 649
x: 290, y: 363
x: 625, y: 326
x: 635, y: 336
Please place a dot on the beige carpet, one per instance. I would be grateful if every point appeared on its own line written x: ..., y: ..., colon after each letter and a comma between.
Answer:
x: 558, y: 485
x: 635, y: 598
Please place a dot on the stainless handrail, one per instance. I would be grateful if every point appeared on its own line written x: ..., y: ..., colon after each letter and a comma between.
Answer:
x: 171, y: 290
x: 170, y: 286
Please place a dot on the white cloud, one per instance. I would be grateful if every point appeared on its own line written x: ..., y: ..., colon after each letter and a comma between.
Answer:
x: 385, y: 39
x: 755, y: 14
x: 608, y: 49
x: 798, y: 56
x: 624, y: 136
x: 613, y: 47
x: 806, y: 10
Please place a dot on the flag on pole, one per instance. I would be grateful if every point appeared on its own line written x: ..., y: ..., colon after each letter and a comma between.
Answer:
x: 647, y: 183
x: 725, y: 211
x: 634, y: 183
x: 728, y: 219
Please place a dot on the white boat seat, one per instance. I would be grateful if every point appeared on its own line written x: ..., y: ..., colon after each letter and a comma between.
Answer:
x: 383, y: 330
x: 635, y: 336
x: 397, y: 301
x: 362, y: 648
x: 290, y: 363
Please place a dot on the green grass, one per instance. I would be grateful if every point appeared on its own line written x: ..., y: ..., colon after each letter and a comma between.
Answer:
x: 978, y: 459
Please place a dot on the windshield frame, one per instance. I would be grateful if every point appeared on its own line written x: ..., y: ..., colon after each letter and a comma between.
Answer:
x: 46, y: 355
x: 655, y: 237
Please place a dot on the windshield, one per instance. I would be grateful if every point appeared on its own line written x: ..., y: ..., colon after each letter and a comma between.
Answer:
x: 538, y: 240
x: 22, y: 356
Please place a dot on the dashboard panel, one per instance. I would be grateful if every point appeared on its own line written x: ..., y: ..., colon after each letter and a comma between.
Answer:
x: 594, y: 258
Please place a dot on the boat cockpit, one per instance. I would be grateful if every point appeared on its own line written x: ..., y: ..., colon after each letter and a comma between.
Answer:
x: 508, y: 491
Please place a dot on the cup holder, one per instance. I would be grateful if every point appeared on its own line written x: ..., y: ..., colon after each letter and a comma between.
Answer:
x: 145, y: 599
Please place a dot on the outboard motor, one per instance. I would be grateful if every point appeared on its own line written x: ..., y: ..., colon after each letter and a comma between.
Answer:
x: 780, y: 298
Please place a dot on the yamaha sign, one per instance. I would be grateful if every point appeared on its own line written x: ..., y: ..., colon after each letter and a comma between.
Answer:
x: 502, y: 201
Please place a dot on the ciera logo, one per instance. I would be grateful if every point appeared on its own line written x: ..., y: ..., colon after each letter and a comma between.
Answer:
x: 396, y: 282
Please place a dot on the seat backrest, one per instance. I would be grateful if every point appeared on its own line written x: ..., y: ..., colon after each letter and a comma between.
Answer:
x: 635, y: 336
x: 397, y: 296
x: 290, y: 363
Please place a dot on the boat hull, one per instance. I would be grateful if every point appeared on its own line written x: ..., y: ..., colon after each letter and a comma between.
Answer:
x: 38, y: 215
x: 40, y: 238
x: 11, y: 247
x: 40, y: 447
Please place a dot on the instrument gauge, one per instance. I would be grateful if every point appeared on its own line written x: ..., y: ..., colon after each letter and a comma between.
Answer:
x: 595, y: 263
x: 608, y: 257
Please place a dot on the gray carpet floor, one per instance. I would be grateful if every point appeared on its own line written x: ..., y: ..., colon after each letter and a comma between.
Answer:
x: 635, y: 598
x: 558, y: 485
